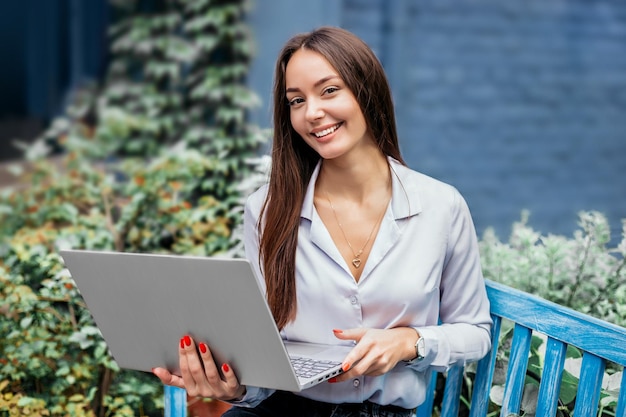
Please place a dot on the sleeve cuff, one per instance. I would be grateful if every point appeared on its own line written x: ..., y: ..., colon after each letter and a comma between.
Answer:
x: 431, y: 348
x: 253, y: 397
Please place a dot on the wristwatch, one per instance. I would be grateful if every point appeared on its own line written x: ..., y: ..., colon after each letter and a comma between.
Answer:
x: 420, y: 351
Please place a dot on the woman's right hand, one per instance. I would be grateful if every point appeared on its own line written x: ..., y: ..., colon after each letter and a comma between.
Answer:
x: 199, y: 374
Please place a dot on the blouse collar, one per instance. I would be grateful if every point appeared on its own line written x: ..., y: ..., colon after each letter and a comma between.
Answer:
x: 405, y: 200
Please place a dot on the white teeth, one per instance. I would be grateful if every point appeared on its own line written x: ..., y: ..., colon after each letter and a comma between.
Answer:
x: 327, y: 131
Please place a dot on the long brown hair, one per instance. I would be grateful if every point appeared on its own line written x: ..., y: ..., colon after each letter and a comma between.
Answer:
x: 293, y: 161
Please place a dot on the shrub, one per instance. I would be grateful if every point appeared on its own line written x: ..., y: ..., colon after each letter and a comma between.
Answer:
x: 582, y: 273
x: 150, y: 160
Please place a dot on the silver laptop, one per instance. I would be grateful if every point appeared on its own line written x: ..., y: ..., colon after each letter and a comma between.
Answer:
x: 144, y: 303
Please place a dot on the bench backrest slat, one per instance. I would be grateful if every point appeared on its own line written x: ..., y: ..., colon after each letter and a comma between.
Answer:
x: 550, y: 385
x: 516, y: 374
x: 424, y: 410
x: 452, y: 392
x: 175, y: 402
x: 484, y: 373
x: 588, y: 393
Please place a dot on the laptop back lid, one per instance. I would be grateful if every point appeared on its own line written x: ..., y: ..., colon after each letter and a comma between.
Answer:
x: 144, y: 303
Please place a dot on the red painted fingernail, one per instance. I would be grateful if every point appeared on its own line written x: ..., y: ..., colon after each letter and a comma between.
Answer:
x: 332, y: 380
x: 345, y: 367
x: 225, y: 368
x: 337, y: 331
x: 187, y: 340
x: 182, y: 343
x: 202, y: 347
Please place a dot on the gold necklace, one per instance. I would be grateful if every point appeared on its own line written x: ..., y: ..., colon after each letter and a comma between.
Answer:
x: 356, y: 261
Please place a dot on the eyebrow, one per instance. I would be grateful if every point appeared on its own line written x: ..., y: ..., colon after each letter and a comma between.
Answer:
x: 317, y: 83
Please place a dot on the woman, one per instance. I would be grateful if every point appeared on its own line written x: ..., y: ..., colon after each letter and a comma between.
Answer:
x: 352, y: 246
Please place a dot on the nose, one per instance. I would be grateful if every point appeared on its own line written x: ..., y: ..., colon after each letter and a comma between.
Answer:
x: 314, y: 110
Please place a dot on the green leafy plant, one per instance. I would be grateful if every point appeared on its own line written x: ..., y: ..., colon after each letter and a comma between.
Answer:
x: 582, y: 273
x: 153, y: 159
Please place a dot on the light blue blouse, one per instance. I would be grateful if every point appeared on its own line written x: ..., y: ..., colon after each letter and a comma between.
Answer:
x: 423, y: 267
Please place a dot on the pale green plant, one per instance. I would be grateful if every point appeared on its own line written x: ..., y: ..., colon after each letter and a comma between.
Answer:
x: 581, y: 272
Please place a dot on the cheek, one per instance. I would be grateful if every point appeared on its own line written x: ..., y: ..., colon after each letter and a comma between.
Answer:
x: 297, y: 123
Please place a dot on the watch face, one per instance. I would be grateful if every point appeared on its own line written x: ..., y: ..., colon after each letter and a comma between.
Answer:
x: 419, y: 347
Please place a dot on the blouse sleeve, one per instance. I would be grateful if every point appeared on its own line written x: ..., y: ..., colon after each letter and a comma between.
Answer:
x: 463, y: 334
x: 251, y: 235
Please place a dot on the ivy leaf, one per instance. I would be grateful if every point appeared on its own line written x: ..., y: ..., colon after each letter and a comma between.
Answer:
x: 26, y: 401
x: 76, y: 398
x: 92, y: 394
x: 26, y: 322
x: 63, y: 370
x: 82, y: 339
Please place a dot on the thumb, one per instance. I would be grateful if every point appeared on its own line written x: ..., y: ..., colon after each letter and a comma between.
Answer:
x: 168, y: 378
x: 349, y: 334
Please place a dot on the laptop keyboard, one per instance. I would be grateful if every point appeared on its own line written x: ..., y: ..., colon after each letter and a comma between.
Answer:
x: 309, y: 368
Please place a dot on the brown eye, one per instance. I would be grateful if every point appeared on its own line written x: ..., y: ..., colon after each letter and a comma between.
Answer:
x: 295, y: 101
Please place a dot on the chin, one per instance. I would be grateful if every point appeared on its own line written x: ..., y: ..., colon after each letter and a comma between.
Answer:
x: 330, y: 154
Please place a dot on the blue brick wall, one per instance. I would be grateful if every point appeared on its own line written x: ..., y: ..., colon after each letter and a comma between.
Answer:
x: 519, y: 104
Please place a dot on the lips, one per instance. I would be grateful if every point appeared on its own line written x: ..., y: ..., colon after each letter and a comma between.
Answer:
x: 327, y: 131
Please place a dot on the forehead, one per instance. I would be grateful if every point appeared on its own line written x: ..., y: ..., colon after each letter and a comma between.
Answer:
x: 306, y: 66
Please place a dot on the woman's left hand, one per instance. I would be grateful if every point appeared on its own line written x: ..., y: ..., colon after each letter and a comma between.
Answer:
x: 377, y: 350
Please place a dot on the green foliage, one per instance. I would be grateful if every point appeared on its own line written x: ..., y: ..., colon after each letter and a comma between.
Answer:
x: 151, y: 160
x: 582, y: 273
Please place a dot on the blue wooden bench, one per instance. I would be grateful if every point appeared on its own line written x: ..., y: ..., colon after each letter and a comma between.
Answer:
x: 599, y: 341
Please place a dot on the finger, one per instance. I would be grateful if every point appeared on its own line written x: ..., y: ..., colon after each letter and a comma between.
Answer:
x: 356, y: 355
x: 168, y: 378
x: 183, y: 362
x: 350, y: 334
x: 211, y: 373
x: 367, y: 365
x: 358, y: 362
x: 232, y: 383
x: 225, y: 384
x: 357, y: 352
x: 194, y: 363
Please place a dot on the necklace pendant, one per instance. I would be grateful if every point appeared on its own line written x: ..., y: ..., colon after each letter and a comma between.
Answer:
x: 356, y: 262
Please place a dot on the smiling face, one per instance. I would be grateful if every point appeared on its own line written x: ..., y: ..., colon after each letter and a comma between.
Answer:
x: 323, y: 110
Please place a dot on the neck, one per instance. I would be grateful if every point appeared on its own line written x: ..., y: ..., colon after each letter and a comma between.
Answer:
x: 356, y: 180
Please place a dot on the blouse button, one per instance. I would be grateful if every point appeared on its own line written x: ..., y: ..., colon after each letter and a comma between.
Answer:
x: 356, y: 383
x: 353, y: 300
